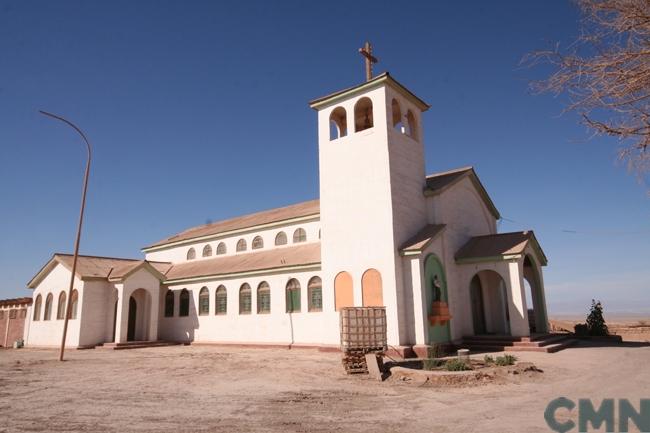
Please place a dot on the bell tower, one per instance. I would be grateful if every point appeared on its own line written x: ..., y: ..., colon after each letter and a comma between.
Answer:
x: 372, y: 177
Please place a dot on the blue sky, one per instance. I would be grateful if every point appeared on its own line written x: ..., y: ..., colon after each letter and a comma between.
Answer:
x: 198, y: 111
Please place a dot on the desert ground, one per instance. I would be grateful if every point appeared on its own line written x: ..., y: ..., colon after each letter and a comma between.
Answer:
x: 216, y: 389
x: 630, y: 328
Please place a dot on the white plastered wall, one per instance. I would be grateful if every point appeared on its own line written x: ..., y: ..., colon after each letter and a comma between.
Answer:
x: 48, y: 333
x: 355, y: 202
x: 177, y: 254
x: 276, y: 327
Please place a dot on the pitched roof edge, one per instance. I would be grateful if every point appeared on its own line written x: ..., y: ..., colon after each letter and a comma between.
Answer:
x: 383, y: 77
x: 469, y: 171
x: 143, y: 264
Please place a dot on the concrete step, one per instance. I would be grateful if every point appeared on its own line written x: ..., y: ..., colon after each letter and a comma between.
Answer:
x: 550, y: 348
x: 552, y: 339
x: 137, y: 345
x: 547, y: 343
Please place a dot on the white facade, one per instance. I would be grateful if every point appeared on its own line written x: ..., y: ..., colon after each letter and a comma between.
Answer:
x: 426, y: 248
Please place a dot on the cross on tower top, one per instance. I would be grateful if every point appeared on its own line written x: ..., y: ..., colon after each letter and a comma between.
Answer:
x: 366, y: 52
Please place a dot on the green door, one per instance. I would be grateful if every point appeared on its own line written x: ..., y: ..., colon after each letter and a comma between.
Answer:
x: 436, y: 290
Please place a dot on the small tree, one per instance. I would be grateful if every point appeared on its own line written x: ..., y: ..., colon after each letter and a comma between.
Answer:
x: 595, y: 321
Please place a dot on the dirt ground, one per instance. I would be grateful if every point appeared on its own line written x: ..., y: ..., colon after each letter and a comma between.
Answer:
x: 214, y: 389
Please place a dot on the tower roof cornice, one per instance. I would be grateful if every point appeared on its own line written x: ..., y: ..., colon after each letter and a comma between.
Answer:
x: 384, y: 78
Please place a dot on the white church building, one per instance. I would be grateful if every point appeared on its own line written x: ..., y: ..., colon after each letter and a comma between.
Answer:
x: 383, y: 233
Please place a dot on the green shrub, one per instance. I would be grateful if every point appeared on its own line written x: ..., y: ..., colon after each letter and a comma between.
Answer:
x: 432, y: 363
x: 457, y: 365
x: 435, y: 351
x: 580, y: 329
x: 596, y: 321
x: 505, y: 360
x: 488, y: 359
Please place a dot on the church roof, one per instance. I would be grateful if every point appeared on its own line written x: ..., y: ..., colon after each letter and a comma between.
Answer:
x: 307, y: 254
x: 117, y: 269
x: 95, y: 267
x: 498, y: 247
x: 439, y: 182
x: 15, y: 302
x: 419, y: 242
x: 304, y: 209
x: 381, y: 78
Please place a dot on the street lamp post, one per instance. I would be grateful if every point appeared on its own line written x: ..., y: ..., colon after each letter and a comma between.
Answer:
x: 81, y: 217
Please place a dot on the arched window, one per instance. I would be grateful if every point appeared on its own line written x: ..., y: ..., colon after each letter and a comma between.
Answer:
x: 258, y: 243
x: 397, y: 117
x: 184, y: 303
x: 73, y: 304
x: 412, y: 130
x: 221, y: 248
x: 338, y: 123
x: 343, y: 294
x: 191, y: 254
x: 37, y: 308
x: 245, y: 299
x: 47, y: 315
x: 293, y: 296
x: 60, y: 311
x: 221, y: 301
x: 371, y: 290
x: 204, y: 301
x: 263, y: 298
x: 281, y: 238
x: 363, y: 118
x: 241, y: 245
x: 169, y: 304
x: 207, y: 251
x: 299, y: 235
x: 315, y: 294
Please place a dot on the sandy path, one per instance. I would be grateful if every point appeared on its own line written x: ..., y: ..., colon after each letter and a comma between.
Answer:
x: 196, y: 389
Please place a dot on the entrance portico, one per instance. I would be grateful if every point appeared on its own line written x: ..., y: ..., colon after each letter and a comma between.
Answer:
x: 138, y: 300
x: 494, y: 269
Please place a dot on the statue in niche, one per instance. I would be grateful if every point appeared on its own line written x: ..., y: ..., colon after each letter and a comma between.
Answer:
x: 437, y: 289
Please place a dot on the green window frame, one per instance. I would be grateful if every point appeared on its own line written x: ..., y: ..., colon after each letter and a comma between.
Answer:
x: 221, y: 301
x: 263, y: 298
x: 300, y: 235
x: 47, y: 315
x: 204, y: 301
x: 169, y: 304
x: 184, y: 303
x: 293, y: 296
x: 315, y: 294
x: 245, y: 299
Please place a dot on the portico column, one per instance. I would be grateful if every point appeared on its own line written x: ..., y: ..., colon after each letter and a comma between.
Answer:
x: 419, y: 307
x: 517, y: 301
x: 542, y: 300
x: 122, y: 319
x: 153, y: 316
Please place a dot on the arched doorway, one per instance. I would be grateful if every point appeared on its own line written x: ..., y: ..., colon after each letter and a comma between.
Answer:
x: 489, y: 301
x: 436, y: 292
x: 537, y: 320
x: 114, y: 321
x: 133, y: 314
x: 478, y: 306
x: 138, y: 318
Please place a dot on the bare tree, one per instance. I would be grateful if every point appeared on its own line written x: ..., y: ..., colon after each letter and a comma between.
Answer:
x: 606, y: 75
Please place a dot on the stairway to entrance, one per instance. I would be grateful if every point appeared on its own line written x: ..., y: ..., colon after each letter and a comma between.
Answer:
x: 137, y: 345
x: 548, y: 343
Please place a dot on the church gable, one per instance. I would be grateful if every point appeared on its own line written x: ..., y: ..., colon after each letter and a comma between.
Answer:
x: 438, y: 183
